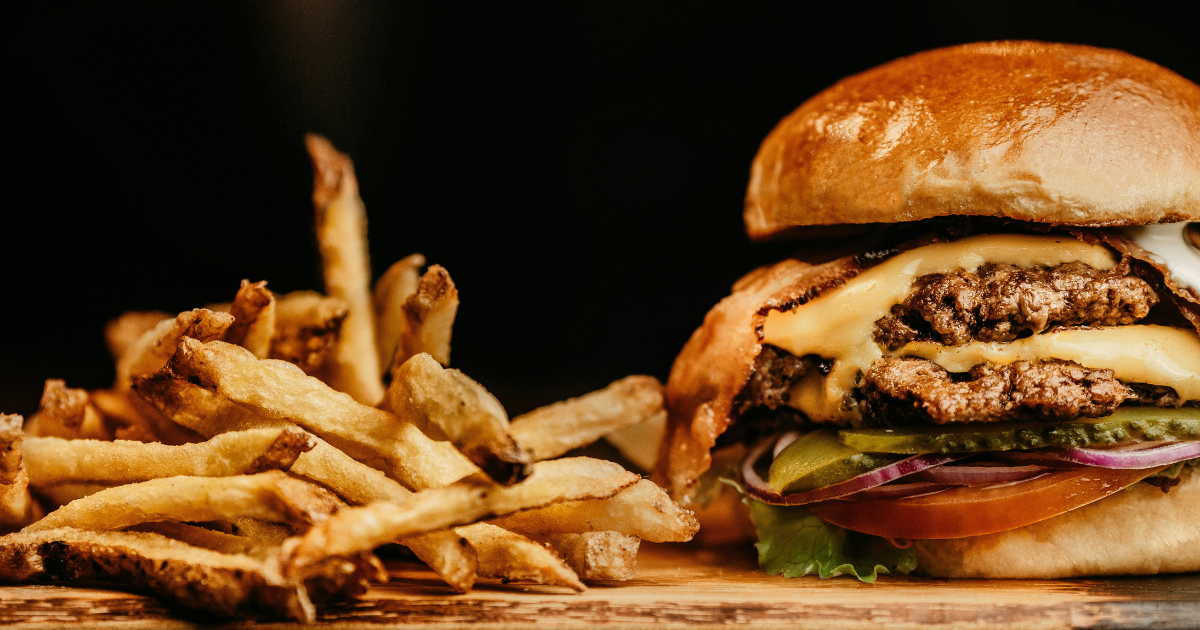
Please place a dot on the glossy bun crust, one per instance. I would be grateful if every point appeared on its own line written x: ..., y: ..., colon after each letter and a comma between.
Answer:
x: 1051, y: 133
x: 1138, y: 531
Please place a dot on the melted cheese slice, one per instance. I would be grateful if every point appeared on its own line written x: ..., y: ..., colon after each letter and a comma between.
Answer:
x: 840, y: 324
x: 1159, y: 355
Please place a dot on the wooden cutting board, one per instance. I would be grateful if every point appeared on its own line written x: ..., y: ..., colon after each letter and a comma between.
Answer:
x: 676, y: 587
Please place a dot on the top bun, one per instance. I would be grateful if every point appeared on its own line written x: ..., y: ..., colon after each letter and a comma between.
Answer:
x: 1052, y: 133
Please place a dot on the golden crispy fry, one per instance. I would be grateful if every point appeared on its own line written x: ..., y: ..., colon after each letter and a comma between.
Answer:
x: 446, y: 403
x: 51, y: 461
x: 391, y: 291
x: 429, y: 315
x: 307, y: 327
x: 513, y: 557
x: 207, y: 538
x: 64, y: 493
x: 342, y: 238
x: 269, y: 496
x: 138, y: 421
x: 279, y: 390
x: 597, y: 555
x: 639, y: 443
x: 449, y: 555
x: 555, y: 429
x: 253, y: 311
x: 150, y: 352
x: 465, y: 501
x: 222, y: 584
x: 643, y: 510
x: 11, y: 443
x: 121, y: 333
x: 210, y: 414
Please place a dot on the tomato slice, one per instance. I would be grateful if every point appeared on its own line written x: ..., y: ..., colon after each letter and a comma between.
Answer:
x: 978, y: 510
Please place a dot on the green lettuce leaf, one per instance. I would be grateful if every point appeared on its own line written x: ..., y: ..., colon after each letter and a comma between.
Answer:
x: 793, y: 542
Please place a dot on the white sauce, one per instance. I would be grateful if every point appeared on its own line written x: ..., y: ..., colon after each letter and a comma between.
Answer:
x: 1170, y: 247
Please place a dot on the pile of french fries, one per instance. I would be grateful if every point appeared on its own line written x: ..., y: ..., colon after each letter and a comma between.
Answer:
x: 251, y: 456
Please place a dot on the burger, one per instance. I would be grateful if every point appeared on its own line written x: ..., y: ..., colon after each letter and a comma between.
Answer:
x: 984, y: 361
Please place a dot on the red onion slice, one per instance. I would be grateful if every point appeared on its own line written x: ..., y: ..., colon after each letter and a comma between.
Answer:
x: 759, y: 489
x: 898, y: 490
x: 979, y: 475
x: 784, y: 441
x: 1135, y: 456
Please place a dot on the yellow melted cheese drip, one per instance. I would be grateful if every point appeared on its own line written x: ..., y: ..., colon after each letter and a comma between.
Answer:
x: 840, y: 324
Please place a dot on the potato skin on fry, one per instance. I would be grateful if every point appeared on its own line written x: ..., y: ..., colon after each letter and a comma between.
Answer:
x: 597, y: 555
x: 429, y: 315
x: 392, y: 290
x: 150, y: 352
x: 307, y: 327
x: 11, y: 438
x: 253, y: 312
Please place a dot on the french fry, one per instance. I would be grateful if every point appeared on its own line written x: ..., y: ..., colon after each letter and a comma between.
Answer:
x: 222, y: 584
x: 207, y: 538
x: 264, y: 532
x: 391, y: 291
x: 52, y: 461
x: 253, y: 311
x: 449, y: 555
x: 342, y: 238
x: 17, y: 507
x: 121, y: 333
x: 269, y: 496
x: 429, y: 318
x: 276, y: 389
x: 643, y: 510
x: 468, y: 500
x: 555, y: 429
x: 150, y: 352
x: 60, y: 412
x: 513, y: 557
x: 639, y: 443
x: 210, y: 414
x: 64, y: 493
x: 11, y: 443
x: 307, y: 327
x: 448, y: 403
x: 597, y: 555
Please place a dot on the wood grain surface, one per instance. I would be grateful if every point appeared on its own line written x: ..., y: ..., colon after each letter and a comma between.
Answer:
x: 676, y: 587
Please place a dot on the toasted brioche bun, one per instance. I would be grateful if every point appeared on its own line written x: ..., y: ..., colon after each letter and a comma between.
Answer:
x: 1050, y: 133
x: 1138, y: 531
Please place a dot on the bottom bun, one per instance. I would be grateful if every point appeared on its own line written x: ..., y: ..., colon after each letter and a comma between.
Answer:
x: 1138, y: 531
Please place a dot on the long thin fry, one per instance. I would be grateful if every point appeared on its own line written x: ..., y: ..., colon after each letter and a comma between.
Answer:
x: 513, y: 557
x: 307, y: 327
x: 643, y: 510
x: 555, y: 429
x: 207, y: 538
x: 447, y: 402
x: 211, y: 414
x: 150, y: 352
x: 597, y: 555
x: 269, y: 496
x: 465, y: 501
x: 391, y: 291
x: 221, y: 584
x: 54, y: 460
x: 639, y: 443
x: 429, y: 315
x: 253, y: 311
x: 342, y: 238
x: 279, y: 390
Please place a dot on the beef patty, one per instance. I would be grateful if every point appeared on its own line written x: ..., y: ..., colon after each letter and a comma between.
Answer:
x: 1000, y: 302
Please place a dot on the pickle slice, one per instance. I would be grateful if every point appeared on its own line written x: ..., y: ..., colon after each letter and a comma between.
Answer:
x: 1126, y: 424
x: 818, y: 459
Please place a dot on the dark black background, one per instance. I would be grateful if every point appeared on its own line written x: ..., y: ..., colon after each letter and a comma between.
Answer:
x: 578, y: 167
